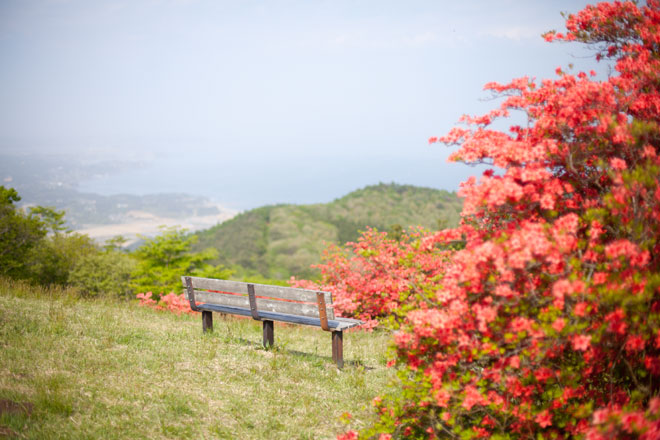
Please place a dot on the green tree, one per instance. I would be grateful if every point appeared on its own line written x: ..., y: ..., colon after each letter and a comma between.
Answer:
x: 54, y: 258
x: 103, y: 274
x: 52, y: 261
x: 20, y: 233
x: 164, y: 259
x: 34, y: 245
x: 52, y: 219
x: 115, y: 243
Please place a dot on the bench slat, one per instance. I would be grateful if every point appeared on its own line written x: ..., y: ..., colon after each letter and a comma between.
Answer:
x: 281, y: 292
x: 308, y: 310
x: 334, y: 324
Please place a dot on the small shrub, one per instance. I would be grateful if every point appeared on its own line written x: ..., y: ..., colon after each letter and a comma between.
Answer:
x: 103, y: 274
x: 163, y: 260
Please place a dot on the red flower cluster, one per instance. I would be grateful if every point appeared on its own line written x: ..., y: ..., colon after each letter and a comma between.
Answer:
x: 171, y: 302
x: 378, y: 278
x: 546, y: 324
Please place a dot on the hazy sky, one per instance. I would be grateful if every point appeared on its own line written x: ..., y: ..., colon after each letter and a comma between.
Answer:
x: 255, y: 102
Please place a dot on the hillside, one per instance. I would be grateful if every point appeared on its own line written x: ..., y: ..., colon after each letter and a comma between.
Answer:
x: 284, y: 240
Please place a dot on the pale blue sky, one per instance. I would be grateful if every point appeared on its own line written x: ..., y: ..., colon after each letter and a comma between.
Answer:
x: 254, y: 102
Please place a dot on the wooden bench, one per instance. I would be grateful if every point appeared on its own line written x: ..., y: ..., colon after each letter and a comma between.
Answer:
x: 267, y: 304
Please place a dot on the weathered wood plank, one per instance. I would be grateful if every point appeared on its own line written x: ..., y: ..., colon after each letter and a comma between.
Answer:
x: 349, y: 321
x: 291, y: 308
x: 220, y: 299
x: 342, y: 324
x: 281, y: 292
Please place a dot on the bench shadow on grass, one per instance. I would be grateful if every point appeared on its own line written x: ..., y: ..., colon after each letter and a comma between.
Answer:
x: 301, y: 354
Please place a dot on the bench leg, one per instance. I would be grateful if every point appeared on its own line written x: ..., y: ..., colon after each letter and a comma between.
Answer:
x: 269, y: 333
x: 207, y: 321
x: 338, y: 348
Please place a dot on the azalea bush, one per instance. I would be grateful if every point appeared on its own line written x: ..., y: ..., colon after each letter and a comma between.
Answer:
x: 172, y: 302
x: 378, y: 278
x: 547, y: 323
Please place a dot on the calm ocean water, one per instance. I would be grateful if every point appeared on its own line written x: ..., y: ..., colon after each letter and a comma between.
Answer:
x: 244, y: 183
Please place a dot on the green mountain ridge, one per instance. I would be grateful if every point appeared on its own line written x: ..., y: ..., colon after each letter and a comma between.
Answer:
x: 279, y: 241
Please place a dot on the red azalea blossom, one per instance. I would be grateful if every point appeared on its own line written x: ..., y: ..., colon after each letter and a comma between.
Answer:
x: 581, y: 342
x: 544, y: 419
x: 350, y: 435
x: 171, y: 302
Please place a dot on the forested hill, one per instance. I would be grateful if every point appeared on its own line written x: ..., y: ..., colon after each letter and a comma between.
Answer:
x: 283, y: 240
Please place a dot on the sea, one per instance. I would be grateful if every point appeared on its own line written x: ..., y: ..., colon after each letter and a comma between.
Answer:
x: 245, y: 182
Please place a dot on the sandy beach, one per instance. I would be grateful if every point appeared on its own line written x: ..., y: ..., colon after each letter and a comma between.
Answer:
x: 146, y: 224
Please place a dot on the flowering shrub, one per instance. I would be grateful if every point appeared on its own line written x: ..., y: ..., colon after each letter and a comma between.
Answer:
x: 547, y: 323
x: 171, y: 302
x: 378, y: 278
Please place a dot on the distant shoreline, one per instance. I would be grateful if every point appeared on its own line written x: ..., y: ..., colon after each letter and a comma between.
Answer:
x: 142, y: 223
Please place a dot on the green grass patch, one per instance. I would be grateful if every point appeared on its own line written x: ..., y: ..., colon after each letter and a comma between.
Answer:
x: 98, y: 369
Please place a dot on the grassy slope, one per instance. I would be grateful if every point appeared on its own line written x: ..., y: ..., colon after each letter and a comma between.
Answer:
x: 92, y: 369
x: 284, y: 240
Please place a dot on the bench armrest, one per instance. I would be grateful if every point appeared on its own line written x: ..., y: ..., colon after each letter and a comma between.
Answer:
x: 191, y: 295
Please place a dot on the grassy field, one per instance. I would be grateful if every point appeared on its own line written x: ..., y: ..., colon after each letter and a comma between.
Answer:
x: 71, y: 368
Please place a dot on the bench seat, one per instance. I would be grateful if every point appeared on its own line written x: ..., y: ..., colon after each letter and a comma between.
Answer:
x: 337, y: 324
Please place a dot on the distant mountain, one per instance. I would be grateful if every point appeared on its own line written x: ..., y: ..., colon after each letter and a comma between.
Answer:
x: 283, y: 240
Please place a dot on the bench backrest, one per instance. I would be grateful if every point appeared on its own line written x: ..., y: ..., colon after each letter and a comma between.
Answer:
x: 277, y: 299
